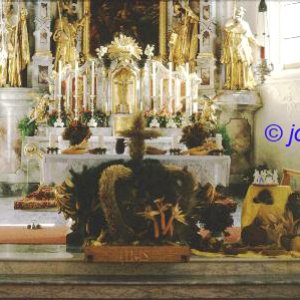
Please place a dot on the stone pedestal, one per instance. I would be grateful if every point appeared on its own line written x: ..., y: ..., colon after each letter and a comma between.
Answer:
x: 236, y: 112
x: 15, y: 103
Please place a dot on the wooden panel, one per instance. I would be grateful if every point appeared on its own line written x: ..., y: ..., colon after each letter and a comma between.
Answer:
x: 137, y: 253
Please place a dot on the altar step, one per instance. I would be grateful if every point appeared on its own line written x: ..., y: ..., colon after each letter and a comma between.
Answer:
x: 150, y: 287
x: 70, y: 277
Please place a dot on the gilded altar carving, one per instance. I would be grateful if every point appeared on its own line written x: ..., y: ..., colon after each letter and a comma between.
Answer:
x: 124, y: 52
x: 183, y: 42
x: 14, y: 53
x: 65, y: 35
x: 237, y: 53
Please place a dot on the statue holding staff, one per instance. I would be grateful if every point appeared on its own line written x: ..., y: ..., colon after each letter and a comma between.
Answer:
x: 237, y: 53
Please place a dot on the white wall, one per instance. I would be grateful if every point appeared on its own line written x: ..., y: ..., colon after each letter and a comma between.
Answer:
x: 281, y: 105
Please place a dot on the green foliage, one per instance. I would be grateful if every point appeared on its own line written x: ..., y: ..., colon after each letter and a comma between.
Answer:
x: 27, y: 127
x: 163, y: 118
x: 76, y: 132
x: 100, y: 117
x: 225, y: 139
x: 52, y: 118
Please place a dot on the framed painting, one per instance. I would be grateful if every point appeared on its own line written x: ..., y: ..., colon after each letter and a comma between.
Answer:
x: 136, y: 18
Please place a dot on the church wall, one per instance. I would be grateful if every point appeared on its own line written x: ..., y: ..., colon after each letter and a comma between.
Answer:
x: 280, y: 106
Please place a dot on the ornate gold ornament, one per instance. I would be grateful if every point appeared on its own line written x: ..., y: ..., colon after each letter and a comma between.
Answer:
x: 14, y: 44
x: 32, y: 151
x: 124, y: 48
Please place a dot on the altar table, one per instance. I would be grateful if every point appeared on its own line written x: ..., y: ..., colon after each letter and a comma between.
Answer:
x: 212, y: 169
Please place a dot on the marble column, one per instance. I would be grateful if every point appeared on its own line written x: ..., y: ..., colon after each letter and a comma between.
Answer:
x: 14, y: 104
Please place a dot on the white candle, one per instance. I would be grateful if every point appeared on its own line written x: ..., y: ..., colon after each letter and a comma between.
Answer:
x: 76, y: 79
x: 177, y: 94
x: 84, y: 92
x: 187, y: 68
x: 59, y: 77
x: 170, y: 80
x: 67, y: 93
x: 219, y: 140
x: 154, y: 79
x: 195, y: 107
x: 52, y: 140
x: 93, y: 78
x: 161, y: 94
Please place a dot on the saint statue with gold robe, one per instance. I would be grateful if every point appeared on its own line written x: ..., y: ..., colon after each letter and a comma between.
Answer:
x: 237, y: 53
x: 14, y: 45
x: 65, y: 38
x: 183, y: 42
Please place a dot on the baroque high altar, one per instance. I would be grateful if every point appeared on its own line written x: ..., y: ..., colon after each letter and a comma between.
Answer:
x: 121, y: 57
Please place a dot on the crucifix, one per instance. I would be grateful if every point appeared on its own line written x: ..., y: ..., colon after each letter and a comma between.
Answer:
x: 123, y: 105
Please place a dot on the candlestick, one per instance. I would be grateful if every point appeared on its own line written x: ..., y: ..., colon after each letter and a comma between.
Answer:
x: 59, y: 76
x: 177, y: 94
x: 93, y: 78
x: 154, y: 79
x: 84, y: 79
x: 170, y: 80
x: 219, y: 140
x: 67, y: 93
x: 161, y: 94
x: 76, y: 92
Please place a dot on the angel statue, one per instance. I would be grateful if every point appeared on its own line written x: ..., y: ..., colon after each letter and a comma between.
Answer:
x: 237, y: 53
x: 65, y: 35
x: 14, y: 45
x: 183, y: 42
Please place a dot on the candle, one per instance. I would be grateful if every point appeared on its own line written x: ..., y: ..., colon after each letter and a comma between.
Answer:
x: 161, y: 94
x: 93, y: 78
x: 195, y: 107
x: 84, y: 79
x: 187, y: 68
x: 154, y: 79
x: 76, y: 79
x: 177, y: 94
x: 52, y: 140
x: 59, y: 77
x: 67, y: 93
x: 219, y: 141
x: 76, y: 91
x: 170, y: 79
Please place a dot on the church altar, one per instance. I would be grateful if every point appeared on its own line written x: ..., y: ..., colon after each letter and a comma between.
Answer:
x: 212, y: 169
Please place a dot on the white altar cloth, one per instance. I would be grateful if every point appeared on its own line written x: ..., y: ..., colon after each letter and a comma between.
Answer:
x: 212, y: 169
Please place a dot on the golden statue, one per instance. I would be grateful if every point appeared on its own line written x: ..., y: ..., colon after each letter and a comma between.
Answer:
x: 184, y: 37
x: 237, y: 53
x: 14, y: 49
x: 65, y: 35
